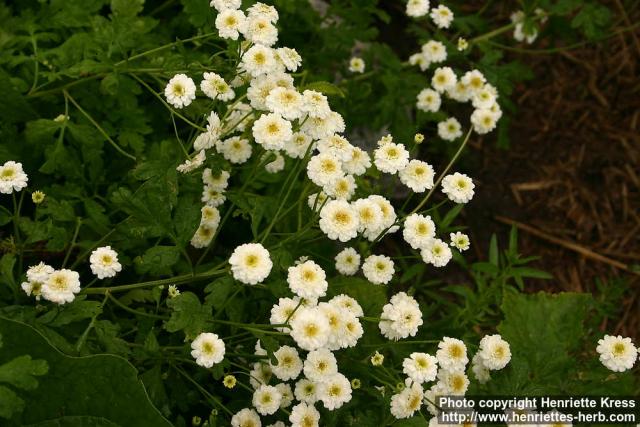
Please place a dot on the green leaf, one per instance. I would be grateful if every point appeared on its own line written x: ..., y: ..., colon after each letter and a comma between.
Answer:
x: 157, y: 260
x: 325, y: 87
x: 76, y: 422
x: 188, y: 314
x: 99, y: 386
x: 126, y: 7
x: 10, y: 403
x: 21, y: 372
x: 493, y: 251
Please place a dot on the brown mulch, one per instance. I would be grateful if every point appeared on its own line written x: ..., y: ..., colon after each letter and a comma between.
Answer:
x: 571, y: 177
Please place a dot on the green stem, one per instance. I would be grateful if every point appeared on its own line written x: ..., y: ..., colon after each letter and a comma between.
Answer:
x: 132, y: 311
x: 202, y: 390
x: 73, y: 241
x: 85, y: 334
x: 173, y: 280
x: 98, y: 127
x: 163, y: 47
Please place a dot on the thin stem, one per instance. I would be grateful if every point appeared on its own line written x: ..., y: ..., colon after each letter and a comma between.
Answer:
x: 163, y: 47
x: 98, y: 127
x: 202, y: 390
x: 132, y: 311
x: 73, y: 241
x: 173, y: 280
x: 85, y: 334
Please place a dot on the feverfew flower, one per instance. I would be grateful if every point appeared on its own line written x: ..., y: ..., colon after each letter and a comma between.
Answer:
x: 452, y: 354
x: 391, y: 157
x: 617, y: 353
x: 444, y: 78
x: 250, y: 263
x: 458, y: 187
x: 370, y: 217
x: 305, y: 391
x: 338, y: 220
x: 230, y: 23
x: 246, y: 418
x: 272, y: 131
x: 304, y: 415
x: 222, y: 5
x: 334, y: 391
x: 236, y: 149
x: 348, y: 303
x: 356, y: 65
x: 104, y: 262
x: 348, y: 261
x: 324, y: 169
x: 215, y: 87
x: 436, y: 252
x: 37, y: 197
x: 190, y: 165
x: 343, y: 188
x: 417, y: 175
x: 441, y: 16
x: 420, y: 367
x: 459, y: 241
x: 61, y: 286
x: 401, y: 317
x: 480, y: 371
x: 418, y: 230
x: 39, y: 272
x: 276, y: 165
x: 307, y: 280
x: 266, y: 399
x: 180, y: 91
x: 450, y: 129
x: 454, y: 381
x: 284, y: 311
x: 258, y: 60
x: 310, y: 328
x: 377, y: 359
x: 315, y: 104
x: 207, y: 349
x: 494, y: 352
x: 203, y: 236
x: 289, y: 364
x: 320, y: 364
x: 434, y: 51
x: 287, y: 102
x: 298, y: 145
x: 13, y: 178
x: 408, y: 401
x: 290, y: 58
x: 484, y: 120
x: 417, y: 8
x: 263, y: 10
x: 429, y: 100
x: 173, y: 291
x: 358, y: 162
x: 378, y: 269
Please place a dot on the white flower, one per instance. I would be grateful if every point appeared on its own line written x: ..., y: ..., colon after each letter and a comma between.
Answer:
x: 215, y: 87
x: 391, y: 157
x: 315, y: 104
x: 454, y: 381
x: 429, y: 100
x: 444, y: 78
x: 284, y: 311
x: 324, y: 169
x: 12, y: 177
x: 298, y: 145
x: 334, y: 391
x: 286, y: 393
x: 317, y: 200
x: 204, y: 141
x: 420, y: 367
x: 356, y: 65
x: 407, y: 402
x: 39, y: 273
x: 61, y: 286
x: 260, y: 373
x: 222, y: 5
x: 230, y: 23
x: 266, y: 399
x: 307, y: 280
x: 338, y: 220
x: 436, y: 252
x: 449, y: 129
x: 192, y: 164
x: 357, y: 163
x: 319, y: 127
x: 442, y: 16
x: 304, y: 415
x: 173, y: 291
x: 246, y: 418
x: 320, y: 364
x: 617, y: 353
x: 287, y: 102
x: 388, y: 216
x: 210, y: 216
x: 452, y: 354
x: 348, y: 261
x: 378, y: 269
x: 310, y: 328
x: 272, y: 131
x: 417, y: 175
x: 348, y: 303
x: 459, y: 241
x: 484, y: 97
x: 370, y: 217
x: 219, y: 181
x: 104, y: 262
x: 480, y: 371
x: 418, y: 230
x: 203, y: 235
x: 401, y: 317
x: 258, y: 59
x: 305, y: 391
x: 207, y: 349
x: 263, y: 10
x: 276, y: 165
x: 260, y: 30
x: 484, y: 120
x: 474, y: 79
x: 236, y: 149
x: 417, y: 8
x: 343, y: 188
x: 289, y: 364
x: 434, y: 51
x: 349, y: 330
x: 289, y: 57
x: 180, y: 91
x: 494, y: 352
x: 336, y: 145
x: 250, y: 263
x: 458, y: 187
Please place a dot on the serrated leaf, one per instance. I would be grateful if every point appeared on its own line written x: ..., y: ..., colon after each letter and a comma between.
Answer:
x: 158, y: 260
x: 187, y: 314
x: 21, y: 372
